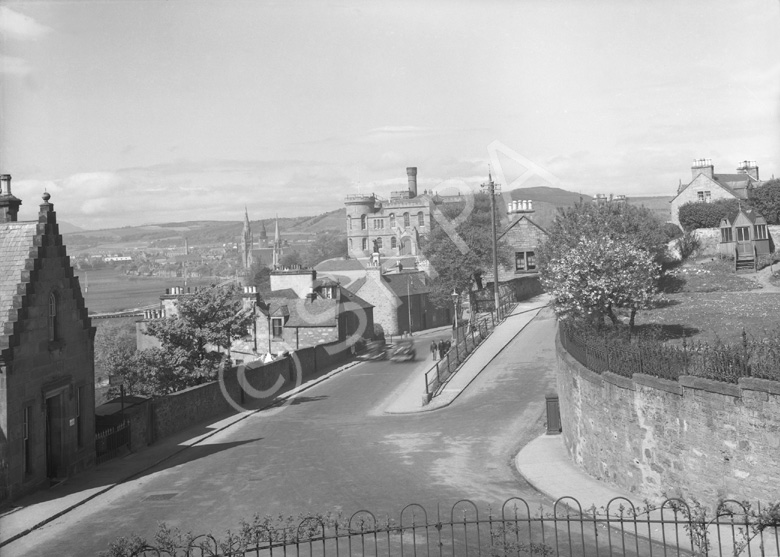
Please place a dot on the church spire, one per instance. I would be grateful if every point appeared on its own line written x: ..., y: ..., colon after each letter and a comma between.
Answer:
x: 247, y: 241
x: 277, y: 245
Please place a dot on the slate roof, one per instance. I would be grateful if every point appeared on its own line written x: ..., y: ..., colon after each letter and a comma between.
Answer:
x: 524, y: 217
x: 397, y: 282
x: 330, y: 265
x: 16, y: 242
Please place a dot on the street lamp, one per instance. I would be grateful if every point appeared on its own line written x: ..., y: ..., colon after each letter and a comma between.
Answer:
x: 455, y: 297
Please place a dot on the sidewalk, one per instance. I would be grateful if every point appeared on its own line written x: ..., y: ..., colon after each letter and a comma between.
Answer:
x: 409, y: 398
x: 44, y: 506
x: 545, y: 463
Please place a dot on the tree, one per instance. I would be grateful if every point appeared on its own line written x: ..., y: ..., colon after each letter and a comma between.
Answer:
x: 456, y: 270
x: 598, y: 275
x: 326, y: 245
x: 291, y: 259
x: 208, y: 321
x: 600, y: 257
x: 699, y: 214
x: 260, y: 276
x: 766, y: 200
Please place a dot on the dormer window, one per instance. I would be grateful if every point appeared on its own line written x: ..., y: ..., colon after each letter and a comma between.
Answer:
x: 52, y: 317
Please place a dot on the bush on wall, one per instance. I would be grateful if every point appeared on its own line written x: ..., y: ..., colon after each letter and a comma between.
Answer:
x: 699, y: 214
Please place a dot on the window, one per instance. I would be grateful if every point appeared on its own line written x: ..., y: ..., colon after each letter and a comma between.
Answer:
x: 52, y: 317
x: 379, y: 223
x: 27, y: 442
x: 420, y: 219
x: 406, y: 220
x: 393, y: 242
x: 743, y: 234
x: 761, y: 232
x: 362, y: 222
x: 525, y: 261
x: 79, y: 418
x: 365, y: 244
x: 726, y: 236
x: 350, y: 243
x: 704, y: 196
x: 392, y: 220
x: 349, y: 223
x: 276, y: 327
x: 379, y: 243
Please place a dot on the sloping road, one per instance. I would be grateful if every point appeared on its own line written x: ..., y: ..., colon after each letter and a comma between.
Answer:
x: 333, y: 449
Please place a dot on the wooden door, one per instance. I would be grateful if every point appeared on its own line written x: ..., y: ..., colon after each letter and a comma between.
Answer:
x: 54, y: 436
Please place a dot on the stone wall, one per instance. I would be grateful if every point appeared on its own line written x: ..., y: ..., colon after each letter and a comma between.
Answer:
x: 692, y: 438
x: 167, y: 415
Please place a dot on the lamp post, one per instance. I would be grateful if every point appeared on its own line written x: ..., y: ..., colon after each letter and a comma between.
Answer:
x: 491, y: 187
x: 455, y: 297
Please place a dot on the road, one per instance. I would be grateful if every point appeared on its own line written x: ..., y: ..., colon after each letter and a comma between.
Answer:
x: 333, y: 448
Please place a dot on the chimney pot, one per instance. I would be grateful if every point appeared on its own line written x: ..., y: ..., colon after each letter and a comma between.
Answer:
x: 9, y: 205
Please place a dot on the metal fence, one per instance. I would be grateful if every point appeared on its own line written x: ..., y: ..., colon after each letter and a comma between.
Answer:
x: 721, y: 362
x: 110, y: 442
x: 469, y: 336
x: 672, y: 528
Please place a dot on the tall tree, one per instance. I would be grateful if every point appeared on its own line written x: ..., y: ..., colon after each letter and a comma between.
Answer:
x: 327, y: 245
x: 208, y: 321
x: 766, y: 200
x: 602, y: 256
x: 455, y: 269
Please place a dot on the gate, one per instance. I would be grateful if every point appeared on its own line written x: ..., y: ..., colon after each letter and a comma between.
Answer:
x: 672, y: 529
x: 110, y: 442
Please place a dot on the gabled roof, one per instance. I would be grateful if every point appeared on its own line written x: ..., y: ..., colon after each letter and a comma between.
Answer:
x: 320, y: 312
x: 525, y: 218
x: 347, y: 296
x: 286, y: 293
x: 356, y: 285
x: 402, y: 284
x: 17, y: 245
x: 721, y: 185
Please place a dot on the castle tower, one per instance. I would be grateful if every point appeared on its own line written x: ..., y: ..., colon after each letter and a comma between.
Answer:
x: 359, y: 208
x: 246, y: 238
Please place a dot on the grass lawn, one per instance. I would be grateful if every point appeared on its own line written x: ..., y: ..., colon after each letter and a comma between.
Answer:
x: 707, y: 301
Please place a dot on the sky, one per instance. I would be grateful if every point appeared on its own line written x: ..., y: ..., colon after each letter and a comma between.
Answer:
x: 150, y: 111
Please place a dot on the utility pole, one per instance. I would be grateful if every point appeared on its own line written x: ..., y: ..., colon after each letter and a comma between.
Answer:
x: 491, y: 187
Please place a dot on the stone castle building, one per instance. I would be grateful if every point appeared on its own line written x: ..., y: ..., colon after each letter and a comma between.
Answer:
x: 391, y: 227
x: 707, y: 186
x: 47, y: 373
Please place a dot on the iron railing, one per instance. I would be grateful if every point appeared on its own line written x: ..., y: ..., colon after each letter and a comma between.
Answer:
x: 110, y: 442
x: 672, y: 528
x: 469, y: 336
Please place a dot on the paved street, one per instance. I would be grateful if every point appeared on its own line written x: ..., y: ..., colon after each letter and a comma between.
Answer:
x: 334, y: 448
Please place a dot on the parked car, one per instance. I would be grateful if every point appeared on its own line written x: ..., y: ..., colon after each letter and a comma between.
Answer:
x: 403, y: 351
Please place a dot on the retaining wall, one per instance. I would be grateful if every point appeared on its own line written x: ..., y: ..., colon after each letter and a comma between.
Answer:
x: 693, y: 437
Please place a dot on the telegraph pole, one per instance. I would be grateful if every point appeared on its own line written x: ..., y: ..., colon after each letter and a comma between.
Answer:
x: 491, y: 187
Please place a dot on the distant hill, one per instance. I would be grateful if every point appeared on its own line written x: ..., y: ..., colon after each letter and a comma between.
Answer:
x: 300, y: 230
x: 66, y: 227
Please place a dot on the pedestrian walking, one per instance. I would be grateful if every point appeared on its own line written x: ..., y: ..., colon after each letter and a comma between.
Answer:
x: 442, y: 351
x: 434, y: 350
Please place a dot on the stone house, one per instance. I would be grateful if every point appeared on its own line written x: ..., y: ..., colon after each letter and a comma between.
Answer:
x: 524, y: 237
x: 401, y: 299
x: 299, y: 312
x: 47, y: 375
x: 707, y: 186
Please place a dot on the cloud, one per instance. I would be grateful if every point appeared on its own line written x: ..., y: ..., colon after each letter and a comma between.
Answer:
x: 11, y: 65
x: 18, y: 26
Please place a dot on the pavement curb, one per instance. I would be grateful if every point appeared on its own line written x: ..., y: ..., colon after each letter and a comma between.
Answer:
x: 240, y: 417
x: 432, y: 408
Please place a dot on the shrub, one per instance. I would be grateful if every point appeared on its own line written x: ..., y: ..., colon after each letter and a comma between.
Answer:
x: 708, y: 215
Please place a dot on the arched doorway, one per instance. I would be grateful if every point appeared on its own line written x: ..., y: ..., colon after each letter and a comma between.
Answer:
x: 406, y: 247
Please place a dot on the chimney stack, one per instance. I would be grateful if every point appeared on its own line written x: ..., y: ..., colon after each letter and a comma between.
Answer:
x: 9, y: 204
x: 750, y: 168
x: 702, y: 166
x: 411, y: 173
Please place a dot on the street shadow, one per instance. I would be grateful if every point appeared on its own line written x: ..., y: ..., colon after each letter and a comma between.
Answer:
x: 304, y: 399
x: 191, y: 454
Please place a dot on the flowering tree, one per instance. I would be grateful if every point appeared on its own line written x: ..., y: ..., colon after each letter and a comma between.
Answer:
x: 599, y: 275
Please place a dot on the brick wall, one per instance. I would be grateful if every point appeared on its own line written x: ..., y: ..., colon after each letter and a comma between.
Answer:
x: 692, y: 438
